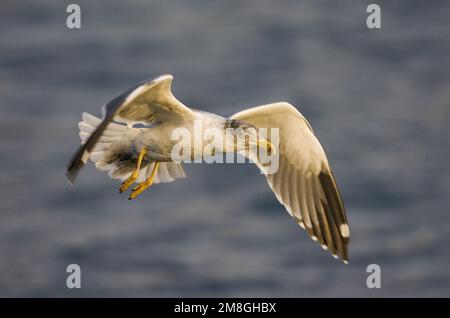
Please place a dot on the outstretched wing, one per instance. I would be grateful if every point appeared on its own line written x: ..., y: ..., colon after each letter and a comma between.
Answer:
x: 304, y: 182
x: 149, y: 102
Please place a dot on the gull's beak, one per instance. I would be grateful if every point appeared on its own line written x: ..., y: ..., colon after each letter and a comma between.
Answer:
x: 266, y: 145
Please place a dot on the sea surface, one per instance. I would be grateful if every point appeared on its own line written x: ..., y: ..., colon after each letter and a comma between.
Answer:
x: 378, y: 100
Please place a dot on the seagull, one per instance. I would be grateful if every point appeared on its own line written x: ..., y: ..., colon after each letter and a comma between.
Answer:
x: 133, y: 142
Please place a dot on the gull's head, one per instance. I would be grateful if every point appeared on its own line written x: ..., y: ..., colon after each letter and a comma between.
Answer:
x: 242, y: 136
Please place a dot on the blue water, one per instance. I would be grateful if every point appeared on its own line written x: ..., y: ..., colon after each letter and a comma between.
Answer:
x: 378, y: 101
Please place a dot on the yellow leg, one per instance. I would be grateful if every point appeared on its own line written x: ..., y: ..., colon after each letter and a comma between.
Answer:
x: 126, y: 184
x: 144, y: 185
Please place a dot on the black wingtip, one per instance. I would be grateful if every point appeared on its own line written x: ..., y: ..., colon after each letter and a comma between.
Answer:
x: 70, y: 177
x: 74, y: 167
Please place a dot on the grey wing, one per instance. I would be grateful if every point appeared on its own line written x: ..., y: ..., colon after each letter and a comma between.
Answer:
x: 148, y: 102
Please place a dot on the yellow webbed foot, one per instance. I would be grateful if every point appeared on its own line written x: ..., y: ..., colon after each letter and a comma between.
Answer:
x: 144, y: 185
x: 126, y: 184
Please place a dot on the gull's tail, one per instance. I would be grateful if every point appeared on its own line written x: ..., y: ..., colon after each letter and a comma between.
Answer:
x: 114, y: 152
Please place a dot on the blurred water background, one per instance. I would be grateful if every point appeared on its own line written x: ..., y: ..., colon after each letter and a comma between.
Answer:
x: 377, y: 99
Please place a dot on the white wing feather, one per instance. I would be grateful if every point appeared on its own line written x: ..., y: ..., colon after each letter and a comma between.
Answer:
x: 150, y: 102
x: 304, y: 182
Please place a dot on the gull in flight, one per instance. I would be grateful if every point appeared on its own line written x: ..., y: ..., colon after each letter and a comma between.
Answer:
x: 133, y: 143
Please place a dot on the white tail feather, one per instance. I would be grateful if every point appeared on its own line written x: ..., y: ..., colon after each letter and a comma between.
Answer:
x: 119, y: 138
